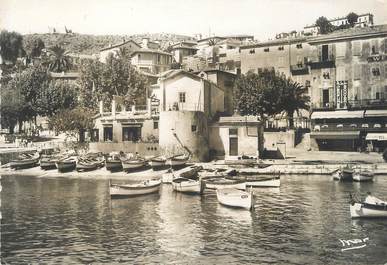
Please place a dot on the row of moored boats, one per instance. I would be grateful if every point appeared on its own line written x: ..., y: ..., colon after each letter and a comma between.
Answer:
x: 116, y: 161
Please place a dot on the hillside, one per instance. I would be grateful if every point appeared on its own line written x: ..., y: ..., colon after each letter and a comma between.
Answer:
x: 89, y: 44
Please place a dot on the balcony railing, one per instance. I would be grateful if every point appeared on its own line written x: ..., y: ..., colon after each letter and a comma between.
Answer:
x: 323, y: 63
x: 345, y: 127
x: 324, y: 106
x: 299, y: 69
x: 367, y: 103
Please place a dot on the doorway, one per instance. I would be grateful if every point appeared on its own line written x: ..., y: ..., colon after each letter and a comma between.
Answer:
x: 233, y: 146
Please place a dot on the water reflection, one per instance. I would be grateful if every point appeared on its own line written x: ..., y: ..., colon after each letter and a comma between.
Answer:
x: 74, y: 221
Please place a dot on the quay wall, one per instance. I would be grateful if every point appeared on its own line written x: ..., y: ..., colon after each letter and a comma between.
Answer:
x: 145, y: 149
x: 272, y: 139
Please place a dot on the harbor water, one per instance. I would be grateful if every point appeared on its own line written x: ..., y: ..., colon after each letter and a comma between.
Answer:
x: 74, y: 221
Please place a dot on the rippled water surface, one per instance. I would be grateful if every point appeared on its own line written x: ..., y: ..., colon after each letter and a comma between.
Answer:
x: 74, y: 221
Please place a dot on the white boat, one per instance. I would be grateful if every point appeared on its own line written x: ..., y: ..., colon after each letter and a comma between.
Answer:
x: 345, y: 174
x: 222, y: 183
x: 146, y: 187
x: 377, y: 208
x: 188, y: 185
x: 25, y: 160
x: 133, y: 164
x: 158, y: 162
x: 66, y: 164
x: 272, y: 182
x: 363, y: 175
x: 235, y: 198
x: 178, y: 160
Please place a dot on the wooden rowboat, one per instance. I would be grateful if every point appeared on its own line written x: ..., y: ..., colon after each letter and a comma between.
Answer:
x: 366, y: 209
x: 113, y: 162
x: 260, y: 181
x: 178, y: 160
x: 186, y: 185
x: 25, y: 160
x: 222, y: 183
x: 146, y: 187
x: 66, y: 164
x: 133, y: 164
x: 363, y: 175
x: 235, y: 198
x: 158, y: 162
x: 90, y: 161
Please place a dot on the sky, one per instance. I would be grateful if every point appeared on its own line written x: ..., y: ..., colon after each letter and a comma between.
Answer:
x: 260, y: 18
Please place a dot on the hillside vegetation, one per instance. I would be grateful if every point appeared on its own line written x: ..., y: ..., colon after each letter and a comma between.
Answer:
x: 89, y: 44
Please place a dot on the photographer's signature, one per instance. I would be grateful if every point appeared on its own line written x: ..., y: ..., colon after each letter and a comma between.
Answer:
x: 353, y: 243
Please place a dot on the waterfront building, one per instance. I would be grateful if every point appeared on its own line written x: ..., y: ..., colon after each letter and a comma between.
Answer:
x: 344, y: 71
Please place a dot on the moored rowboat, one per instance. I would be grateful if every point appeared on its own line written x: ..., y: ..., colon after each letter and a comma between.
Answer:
x: 223, y: 183
x: 259, y: 181
x: 113, y: 162
x: 178, y: 160
x: 188, y: 185
x: 363, y: 175
x: 158, y: 162
x: 235, y: 198
x: 146, y: 187
x: 25, y: 161
x: 89, y: 162
x: 66, y: 164
x: 133, y: 164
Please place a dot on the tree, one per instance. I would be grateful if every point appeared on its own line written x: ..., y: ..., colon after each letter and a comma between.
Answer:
x: 72, y: 121
x: 257, y: 94
x: 11, y: 107
x: 352, y: 18
x: 324, y: 25
x: 37, y: 47
x: 58, y: 60
x: 11, y: 45
x: 54, y: 97
x: 116, y: 77
x: 293, y: 98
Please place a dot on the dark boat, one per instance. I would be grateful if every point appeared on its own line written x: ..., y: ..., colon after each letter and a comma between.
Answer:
x: 25, y: 160
x: 90, y: 161
x: 113, y: 162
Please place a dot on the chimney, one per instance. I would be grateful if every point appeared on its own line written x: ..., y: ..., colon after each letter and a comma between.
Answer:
x: 114, y: 108
x: 145, y: 42
x: 101, y: 107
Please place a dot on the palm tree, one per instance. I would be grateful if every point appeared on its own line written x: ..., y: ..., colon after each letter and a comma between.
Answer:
x: 58, y: 60
x: 294, y: 98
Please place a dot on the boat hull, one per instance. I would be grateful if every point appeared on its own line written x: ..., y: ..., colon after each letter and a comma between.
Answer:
x: 188, y: 186
x: 113, y: 165
x: 362, y: 210
x: 235, y: 198
x: 128, y: 166
x: 362, y: 176
x: 224, y: 185
x: 272, y: 183
x: 131, y: 190
x: 23, y: 164
x: 47, y: 164
x: 66, y: 166
x: 158, y: 164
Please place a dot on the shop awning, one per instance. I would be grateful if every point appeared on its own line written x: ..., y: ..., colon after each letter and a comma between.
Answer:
x: 339, y: 114
x: 376, y: 113
x: 376, y: 136
x: 335, y: 135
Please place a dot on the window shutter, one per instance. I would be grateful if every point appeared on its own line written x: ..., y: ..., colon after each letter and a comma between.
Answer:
x: 357, y: 72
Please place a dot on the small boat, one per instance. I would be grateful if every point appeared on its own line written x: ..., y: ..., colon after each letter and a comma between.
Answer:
x: 113, y: 161
x: 258, y: 181
x: 90, y: 161
x: 186, y: 185
x: 25, y: 160
x: 146, y: 187
x: 235, y: 198
x: 222, y: 183
x: 133, y: 163
x: 344, y: 174
x: 168, y: 176
x: 48, y: 161
x: 377, y: 208
x: 66, y: 164
x: 158, y: 162
x: 363, y: 175
x: 178, y: 160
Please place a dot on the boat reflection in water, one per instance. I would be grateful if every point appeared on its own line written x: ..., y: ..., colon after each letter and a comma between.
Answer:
x: 234, y: 215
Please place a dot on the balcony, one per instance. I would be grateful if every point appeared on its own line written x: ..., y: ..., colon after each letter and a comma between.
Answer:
x: 367, y: 104
x: 299, y: 69
x: 376, y: 58
x: 323, y: 106
x: 328, y: 62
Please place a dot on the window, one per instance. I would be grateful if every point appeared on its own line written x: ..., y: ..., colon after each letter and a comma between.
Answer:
x: 356, y: 48
x: 374, y: 46
x: 233, y: 131
x: 108, y: 134
x: 252, y: 51
x: 266, y: 50
x: 357, y: 72
x: 193, y: 128
x: 326, y: 75
x: 94, y: 137
x: 375, y: 71
x: 182, y: 97
x: 281, y: 48
x: 155, y: 125
x: 299, y: 46
x: 131, y: 134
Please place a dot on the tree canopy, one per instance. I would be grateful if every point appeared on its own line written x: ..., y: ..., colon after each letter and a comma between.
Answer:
x: 269, y: 93
x: 324, y: 25
x: 58, y: 60
x: 352, y: 18
x: 11, y: 45
x: 102, y: 81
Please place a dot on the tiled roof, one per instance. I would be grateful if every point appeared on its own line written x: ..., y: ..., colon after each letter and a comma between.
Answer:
x: 147, y: 50
x: 275, y: 42
x: 119, y: 45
